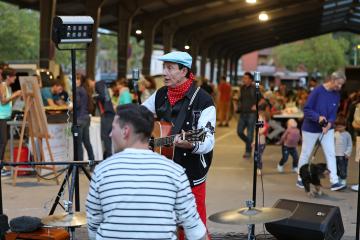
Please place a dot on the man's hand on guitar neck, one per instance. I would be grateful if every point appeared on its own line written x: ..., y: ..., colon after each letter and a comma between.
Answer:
x: 179, y: 142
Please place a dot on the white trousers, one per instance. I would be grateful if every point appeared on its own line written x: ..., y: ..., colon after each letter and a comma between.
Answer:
x: 328, y: 145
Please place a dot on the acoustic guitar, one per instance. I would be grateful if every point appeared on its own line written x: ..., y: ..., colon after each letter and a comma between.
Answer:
x: 162, y: 142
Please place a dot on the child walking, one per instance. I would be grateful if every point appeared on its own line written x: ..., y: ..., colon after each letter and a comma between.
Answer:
x: 289, y: 141
x: 343, y: 148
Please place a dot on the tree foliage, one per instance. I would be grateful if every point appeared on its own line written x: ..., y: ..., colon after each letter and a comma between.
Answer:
x: 19, y: 34
x: 323, y: 54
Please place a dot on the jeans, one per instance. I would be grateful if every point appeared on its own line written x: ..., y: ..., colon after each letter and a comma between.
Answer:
x: 342, y: 165
x: 286, y: 151
x: 3, y: 137
x: 84, y: 137
x: 106, y: 126
x: 246, y: 121
x: 261, y: 151
x: 328, y: 146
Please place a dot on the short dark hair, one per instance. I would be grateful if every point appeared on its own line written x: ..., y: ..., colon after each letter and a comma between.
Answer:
x: 250, y: 75
x: 8, y: 72
x: 183, y: 66
x: 138, y: 116
x: 340, y: 121
x: 57, y: 82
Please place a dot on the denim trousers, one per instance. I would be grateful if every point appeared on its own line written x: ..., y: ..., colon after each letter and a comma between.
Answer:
x: 84, y: 138
x: 286, y: 151
x: 246, y: 121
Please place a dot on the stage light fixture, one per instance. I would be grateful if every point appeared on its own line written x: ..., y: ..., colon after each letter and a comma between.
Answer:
x: 187, y: 47
x: 72, y: 29
x: 138, y: 32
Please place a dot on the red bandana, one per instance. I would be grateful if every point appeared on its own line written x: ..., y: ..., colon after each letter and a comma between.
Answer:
x: 177, y: 93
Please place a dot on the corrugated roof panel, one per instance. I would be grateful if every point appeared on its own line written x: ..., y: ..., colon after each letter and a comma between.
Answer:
x: 329, y: 5
x: 344, y: 2
x: 357, y: 20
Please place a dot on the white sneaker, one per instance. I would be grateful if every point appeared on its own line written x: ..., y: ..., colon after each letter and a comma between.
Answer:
x: 280, y: 168
x: 294, y: 169
x: 5, y: 173
x: 355, y: 187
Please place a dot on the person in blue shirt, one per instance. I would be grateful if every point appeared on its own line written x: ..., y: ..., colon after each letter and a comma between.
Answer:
x: 50, y: 95
x: 319, y: 117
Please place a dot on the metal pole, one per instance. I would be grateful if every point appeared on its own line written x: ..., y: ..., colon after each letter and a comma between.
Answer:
x: 75, y: 129
x: 256, y: 151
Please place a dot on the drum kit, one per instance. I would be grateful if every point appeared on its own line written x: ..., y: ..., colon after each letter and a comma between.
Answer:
x: 241, y: 216
x: 250, y: 216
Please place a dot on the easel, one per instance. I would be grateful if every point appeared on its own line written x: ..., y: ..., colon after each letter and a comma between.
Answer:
x: 34, y: 116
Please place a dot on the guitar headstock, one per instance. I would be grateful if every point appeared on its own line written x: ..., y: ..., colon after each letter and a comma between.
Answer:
x: 197, y: 135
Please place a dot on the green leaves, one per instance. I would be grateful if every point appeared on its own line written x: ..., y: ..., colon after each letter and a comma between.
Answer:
x: 19, y: 34
x: 324, y: 54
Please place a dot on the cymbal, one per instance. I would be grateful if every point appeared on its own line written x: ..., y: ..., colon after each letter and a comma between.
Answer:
x: 250, y: 215
x: 65, y: 220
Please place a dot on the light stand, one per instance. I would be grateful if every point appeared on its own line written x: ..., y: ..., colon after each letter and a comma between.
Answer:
x: 258, y: 124
x: 73, y: 30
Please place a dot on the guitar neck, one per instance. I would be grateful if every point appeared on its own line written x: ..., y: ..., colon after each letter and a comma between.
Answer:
x: 169, y: 140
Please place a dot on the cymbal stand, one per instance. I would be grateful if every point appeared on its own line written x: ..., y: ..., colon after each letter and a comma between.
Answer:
x: 72, y: 178
x: 251, y: 235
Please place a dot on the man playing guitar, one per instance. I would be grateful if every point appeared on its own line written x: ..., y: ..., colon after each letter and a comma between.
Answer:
x: 187, y: 107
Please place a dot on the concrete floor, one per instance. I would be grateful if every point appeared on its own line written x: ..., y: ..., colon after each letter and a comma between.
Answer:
x: 229, y: 185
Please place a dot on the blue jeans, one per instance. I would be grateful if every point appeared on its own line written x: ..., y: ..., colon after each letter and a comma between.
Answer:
x: 84, y: 137
x: 261, y: 151
x: 106, y: 126
x: 3, y: 137
x: 246, y: 121
x: 286, y: 151
x: 342, y: 165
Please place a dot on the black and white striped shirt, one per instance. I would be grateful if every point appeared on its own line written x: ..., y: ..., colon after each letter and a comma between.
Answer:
x: 139, y: 194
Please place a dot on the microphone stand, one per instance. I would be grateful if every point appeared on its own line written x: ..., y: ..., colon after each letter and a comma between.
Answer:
x: 135, y: 79
x: 258, y: 124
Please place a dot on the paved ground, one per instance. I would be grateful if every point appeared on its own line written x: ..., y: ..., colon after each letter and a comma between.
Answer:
x: 229, y: 185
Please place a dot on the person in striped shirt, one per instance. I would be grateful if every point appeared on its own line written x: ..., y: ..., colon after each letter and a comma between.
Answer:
x: 137, y: 193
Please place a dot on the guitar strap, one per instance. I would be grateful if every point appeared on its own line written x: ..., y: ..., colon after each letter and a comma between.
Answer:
x: 186, y: 106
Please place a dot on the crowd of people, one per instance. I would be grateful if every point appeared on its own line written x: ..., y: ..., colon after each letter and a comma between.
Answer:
x: 165, y: 199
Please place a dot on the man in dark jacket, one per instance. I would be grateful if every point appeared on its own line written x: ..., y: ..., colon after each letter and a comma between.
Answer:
x: 247, y: 110
x: 180, y: 98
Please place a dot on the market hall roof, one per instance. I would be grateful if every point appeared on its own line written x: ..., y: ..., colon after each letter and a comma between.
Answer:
x: 228, y: 25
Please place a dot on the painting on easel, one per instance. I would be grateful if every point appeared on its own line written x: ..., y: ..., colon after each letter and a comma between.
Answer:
x: 35, y: 120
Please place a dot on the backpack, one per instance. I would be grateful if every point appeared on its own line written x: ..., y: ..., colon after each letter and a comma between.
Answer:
x: 356, y: 121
